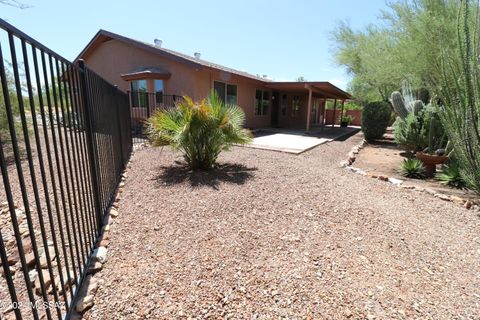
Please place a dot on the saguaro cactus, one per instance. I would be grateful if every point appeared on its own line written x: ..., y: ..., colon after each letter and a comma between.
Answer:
x: 418, y: 106
x: 398, y: 104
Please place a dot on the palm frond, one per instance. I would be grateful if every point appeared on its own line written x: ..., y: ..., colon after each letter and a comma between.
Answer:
x: 200, y: 130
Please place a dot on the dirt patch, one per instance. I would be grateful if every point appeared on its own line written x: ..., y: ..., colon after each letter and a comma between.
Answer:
x: 296, y: 237
x: 384, y: 158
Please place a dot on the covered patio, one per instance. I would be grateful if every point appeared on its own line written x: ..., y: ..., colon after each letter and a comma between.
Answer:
x: 308, y: 101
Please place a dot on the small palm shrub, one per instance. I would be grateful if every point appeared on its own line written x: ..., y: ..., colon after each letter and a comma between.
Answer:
x: 375, y: 119
x: 200, y: 130
x: 412, y: 168
x: 450, y: 176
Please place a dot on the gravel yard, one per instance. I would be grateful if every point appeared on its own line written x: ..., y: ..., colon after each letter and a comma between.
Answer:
x: 271, y: 235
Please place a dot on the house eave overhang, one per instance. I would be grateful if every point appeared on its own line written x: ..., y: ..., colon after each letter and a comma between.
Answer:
x: 321, y: 88
x: 145, y: 75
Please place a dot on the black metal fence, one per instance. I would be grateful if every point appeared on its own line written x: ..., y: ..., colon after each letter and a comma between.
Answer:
x: 64, y: 141
x: 143, y: 105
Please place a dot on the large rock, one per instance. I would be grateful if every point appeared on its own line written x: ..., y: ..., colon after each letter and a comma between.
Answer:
x: 113, y: 213
x: 100, y: 254
x: 13, y: 258
x: 43, y: 257
x: 12, y: 269
x: 84, y: 303
x: 27, y: 246
x: 458, y: 200
x: 108, y: 220
x: 104, y: 243
x: 86, y: 294
x: 67, y: 282
x: 94, y: 267
x: 23, y: 230
x: 30, y: 259
x: 46, y: 280
x: 32, y: 275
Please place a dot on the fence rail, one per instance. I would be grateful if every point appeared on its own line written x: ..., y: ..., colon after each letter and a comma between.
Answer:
x: 143, y: 105
x: 64, y: 141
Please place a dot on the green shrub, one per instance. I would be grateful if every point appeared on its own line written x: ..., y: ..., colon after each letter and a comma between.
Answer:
x: 14, y: 106
x: 347, y: 106
x: 423, y: 95
x: 412, y: 168
x: 410, y: 132
x: 450, y: 176
x: 375, y: 119
x: 347, y: 118
x: 352, y: 106
x: 201, y: 130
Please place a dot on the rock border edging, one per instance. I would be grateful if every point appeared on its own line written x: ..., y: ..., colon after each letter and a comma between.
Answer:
x: 352, y: 156
x: 90, y: 285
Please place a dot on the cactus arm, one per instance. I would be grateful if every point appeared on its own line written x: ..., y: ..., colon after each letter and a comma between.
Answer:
x: 398, y: 104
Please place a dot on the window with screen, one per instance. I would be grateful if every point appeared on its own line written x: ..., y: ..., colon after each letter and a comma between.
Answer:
x: 226, y: 92
x: 139, y: 93
x: 159, y: 91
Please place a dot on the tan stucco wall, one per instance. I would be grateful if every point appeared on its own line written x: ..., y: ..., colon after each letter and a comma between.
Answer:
x: 113, y: 58
x: 246, y: 88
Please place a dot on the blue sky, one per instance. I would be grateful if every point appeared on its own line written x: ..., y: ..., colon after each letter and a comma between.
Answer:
x: 278, y: 38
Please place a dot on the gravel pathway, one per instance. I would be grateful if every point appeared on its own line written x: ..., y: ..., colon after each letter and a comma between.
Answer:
x: 272, y: 235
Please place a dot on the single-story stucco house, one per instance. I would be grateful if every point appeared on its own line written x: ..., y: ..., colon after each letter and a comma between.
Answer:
x: 135, y: 66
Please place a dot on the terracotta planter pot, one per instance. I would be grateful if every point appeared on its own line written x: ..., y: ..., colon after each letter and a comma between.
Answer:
x: 430, y: 161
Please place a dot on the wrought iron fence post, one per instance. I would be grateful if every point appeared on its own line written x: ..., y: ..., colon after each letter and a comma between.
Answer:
x: 148, y: 104
x: 91, y: 144
x: 119, y: 126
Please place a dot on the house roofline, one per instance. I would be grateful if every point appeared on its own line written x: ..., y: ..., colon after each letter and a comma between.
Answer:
x: 198, y: 63
x: 138, y: 44
x: 167, y: 53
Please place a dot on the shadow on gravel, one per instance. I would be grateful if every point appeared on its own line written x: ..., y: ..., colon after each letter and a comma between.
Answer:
x: 225, y: 172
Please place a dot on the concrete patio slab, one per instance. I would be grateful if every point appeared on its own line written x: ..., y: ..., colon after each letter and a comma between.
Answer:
x: 296, y: 141
x: 287, y: 142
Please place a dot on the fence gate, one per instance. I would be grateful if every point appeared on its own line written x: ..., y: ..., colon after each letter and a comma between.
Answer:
x: 64, y: 141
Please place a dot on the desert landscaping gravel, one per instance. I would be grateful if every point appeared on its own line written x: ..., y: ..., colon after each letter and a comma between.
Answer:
x: 270, y: 235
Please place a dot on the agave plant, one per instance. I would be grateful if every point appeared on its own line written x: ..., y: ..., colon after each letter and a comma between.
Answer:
x: 412, y: 168
x: 200, y: 130
x: 450, y: 176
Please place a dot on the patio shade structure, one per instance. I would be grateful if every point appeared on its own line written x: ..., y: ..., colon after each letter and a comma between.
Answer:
x: 320, y: 89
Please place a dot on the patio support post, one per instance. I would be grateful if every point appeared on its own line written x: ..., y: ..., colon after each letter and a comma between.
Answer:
x: 341, y: 114
x: 334, y: 109
x: 324, y: 112
x: 309, y: 108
